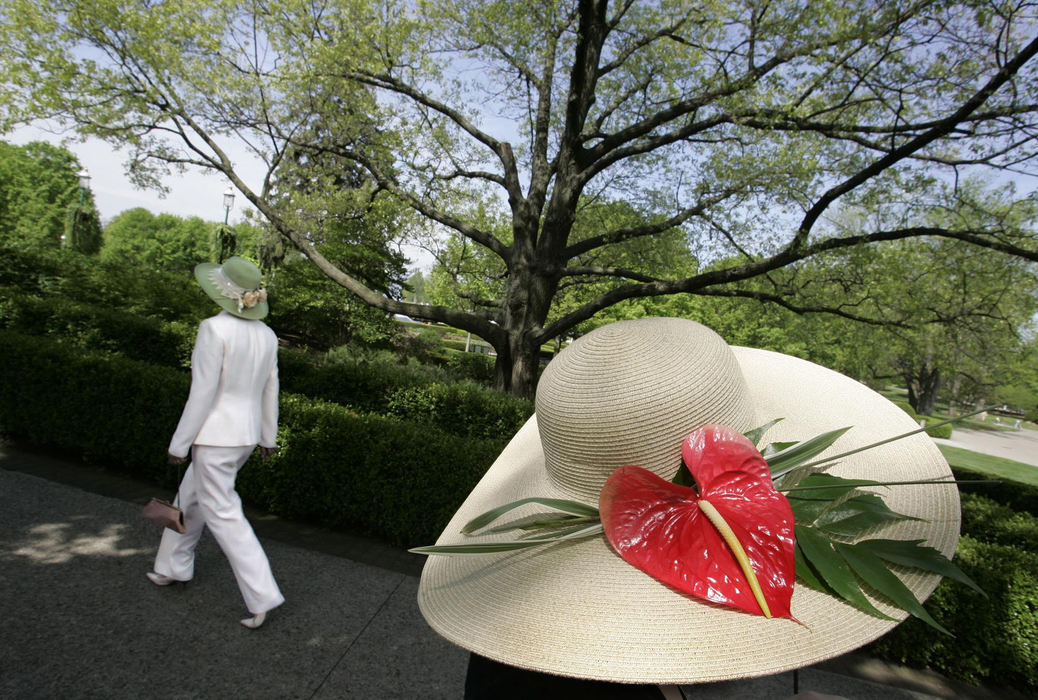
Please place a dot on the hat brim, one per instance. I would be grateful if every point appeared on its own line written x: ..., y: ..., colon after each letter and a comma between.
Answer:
x: 577, y: 609
x: 255, y: 313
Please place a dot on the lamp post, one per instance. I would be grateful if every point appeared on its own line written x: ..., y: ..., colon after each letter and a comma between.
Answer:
x: 84, y: 184
x: 228, y: 202
x: 76, y: 214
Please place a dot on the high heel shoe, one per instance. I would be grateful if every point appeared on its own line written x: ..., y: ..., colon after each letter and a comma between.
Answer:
x: 160, y: 579
x: 255, y: 621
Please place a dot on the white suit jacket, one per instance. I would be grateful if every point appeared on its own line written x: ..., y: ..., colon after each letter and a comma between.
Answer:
x: 234, y: 387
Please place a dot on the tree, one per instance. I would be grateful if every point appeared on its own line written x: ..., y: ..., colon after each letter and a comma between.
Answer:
x: 158, y: 241
x: 944, y: 315
x: 39, y: 191
x: 744, y: 124
x: 308, y: 309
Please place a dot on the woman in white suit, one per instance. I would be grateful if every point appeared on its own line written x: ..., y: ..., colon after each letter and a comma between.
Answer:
x: 232, y: 408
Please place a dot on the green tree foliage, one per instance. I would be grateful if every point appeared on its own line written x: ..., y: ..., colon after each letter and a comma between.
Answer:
x: 39, y: 196
x: 415, y: 286
x: 746, y: 125
x: 950, y: 317
x: 307, y: 308
x: 83, y: 229
x: 158, y: 241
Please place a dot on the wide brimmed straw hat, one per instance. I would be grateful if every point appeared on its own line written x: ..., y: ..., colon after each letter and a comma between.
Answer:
x: 235, y: 286
x: 627, y: 394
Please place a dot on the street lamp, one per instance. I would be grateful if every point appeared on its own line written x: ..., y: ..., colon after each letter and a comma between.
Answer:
x: 84, y: 184
x: 228, y: 202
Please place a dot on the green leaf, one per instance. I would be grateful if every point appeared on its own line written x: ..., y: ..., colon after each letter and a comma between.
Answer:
x: 874, y: 572
x: 684, y: 477
x: 795, y: 456
x: 818, y: 493
x: 855, y: 515
x: 582, y: 530
x: 826, y: 487
x: 508, y: 546
x: 914, y: 554
x: 484, y: 548
x: 807, y: 510
x: 773, y: 448
x: 757, y: 434
x: 572, y: 507
x: 832, y: 569
x: 807, y: 574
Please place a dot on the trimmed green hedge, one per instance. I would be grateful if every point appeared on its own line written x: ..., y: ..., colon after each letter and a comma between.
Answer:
x: 996, y: 636
x: 988, y: 520
x: 97, y: 328
x: 1019, y: 497
x: 388, y: 478
x: 461, y: 408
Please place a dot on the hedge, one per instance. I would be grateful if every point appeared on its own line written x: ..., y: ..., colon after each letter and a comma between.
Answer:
x: 385, y: 477
x: 461, y: 408
x: 1019, y: 497
x: 988, y: 520
x: 996, y: 635
x: 90, y: 326
x: 380, y: 385
x: 381, y: 476
x: 941, y: 431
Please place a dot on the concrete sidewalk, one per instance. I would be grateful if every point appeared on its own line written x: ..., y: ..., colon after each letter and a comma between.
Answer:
x: 1017, y: 445
x: 78, y: 618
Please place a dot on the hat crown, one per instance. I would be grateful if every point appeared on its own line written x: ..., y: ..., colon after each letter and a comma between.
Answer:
x: 628, y: 394
x: 242, y: 272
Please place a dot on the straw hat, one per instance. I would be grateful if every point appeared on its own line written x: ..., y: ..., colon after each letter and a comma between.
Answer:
x: 628, y: 393
x: 235, y: 286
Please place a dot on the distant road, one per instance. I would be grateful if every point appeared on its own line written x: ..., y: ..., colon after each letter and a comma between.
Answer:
x: 1017, y: 445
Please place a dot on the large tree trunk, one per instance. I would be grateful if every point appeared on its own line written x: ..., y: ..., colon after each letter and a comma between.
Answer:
x: 517, y: 365
x: 922, y: 390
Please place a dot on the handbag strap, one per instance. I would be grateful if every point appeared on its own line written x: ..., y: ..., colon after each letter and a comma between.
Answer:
x: 181, y: 470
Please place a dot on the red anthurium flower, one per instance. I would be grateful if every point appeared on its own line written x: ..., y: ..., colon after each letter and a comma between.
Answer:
x: 695, y: 541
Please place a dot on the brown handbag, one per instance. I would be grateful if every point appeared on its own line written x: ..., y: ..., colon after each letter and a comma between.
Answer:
x: 165, y: 514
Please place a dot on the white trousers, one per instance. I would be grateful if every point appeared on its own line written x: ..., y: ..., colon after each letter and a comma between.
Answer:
x: 207, y: 497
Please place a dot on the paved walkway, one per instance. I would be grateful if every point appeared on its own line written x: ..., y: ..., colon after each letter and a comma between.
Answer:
x: 78, y: 619
x: 1017, y: 445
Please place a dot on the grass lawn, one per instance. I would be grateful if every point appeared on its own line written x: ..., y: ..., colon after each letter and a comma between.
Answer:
x: 995, y: 467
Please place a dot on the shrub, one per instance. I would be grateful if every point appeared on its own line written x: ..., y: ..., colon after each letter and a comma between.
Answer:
x: 907, y: 408
x: 461, y: 408
x: 388, y: 478
x: 941, y: 431
x: 93, y: 327
x: 85, y: 279
x: 996, y: 637
x: 370, y: 383
x: 989, y: 521
x: 470, y: 365
x: 944, y: 431
x: 1019, y: 497
x: 110, y: 410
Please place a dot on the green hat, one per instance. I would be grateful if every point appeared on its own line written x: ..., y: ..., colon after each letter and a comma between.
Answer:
x: 235, y: 286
